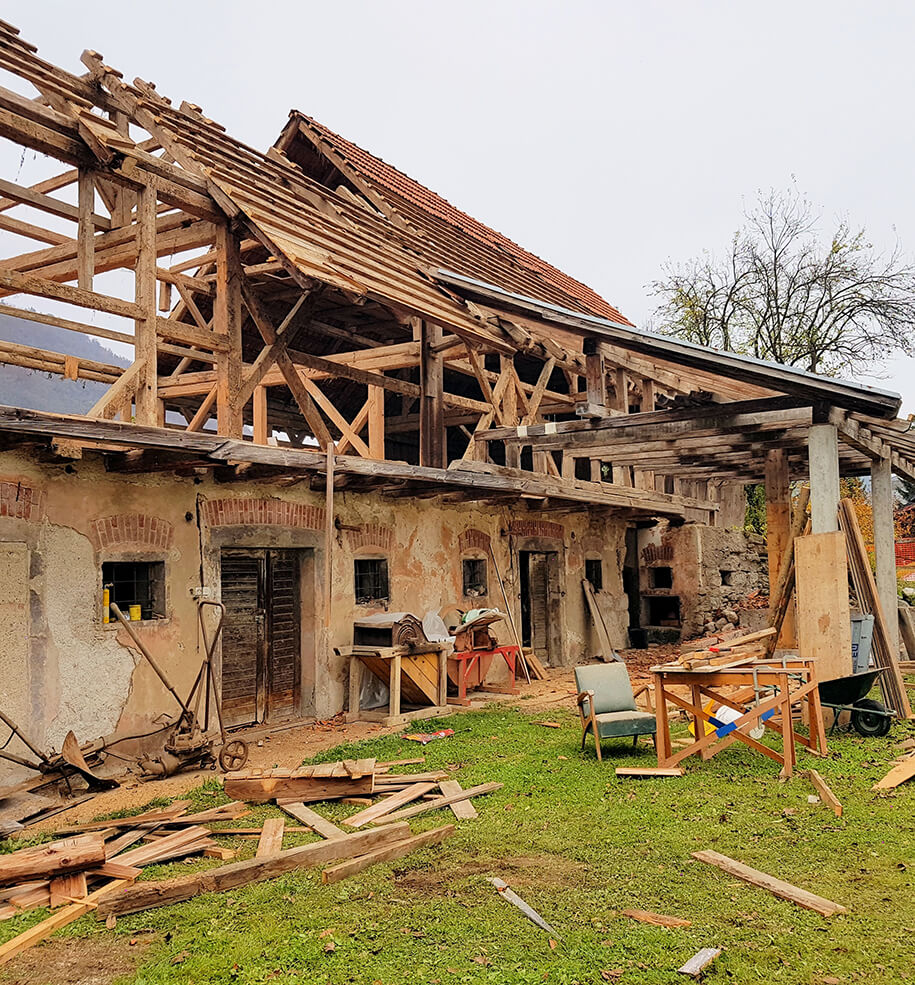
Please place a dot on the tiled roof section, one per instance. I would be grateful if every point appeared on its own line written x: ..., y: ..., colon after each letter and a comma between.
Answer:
x: 456, y: 237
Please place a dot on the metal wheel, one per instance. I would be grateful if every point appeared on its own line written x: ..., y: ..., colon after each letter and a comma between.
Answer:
x: 866, y: 722
x: 233, y: 755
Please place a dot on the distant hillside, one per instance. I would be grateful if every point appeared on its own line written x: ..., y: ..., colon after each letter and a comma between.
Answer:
x: 40, y: 391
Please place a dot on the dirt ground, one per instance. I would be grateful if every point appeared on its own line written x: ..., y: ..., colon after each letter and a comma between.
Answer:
x: 95, y: 960
x: 288, y: 746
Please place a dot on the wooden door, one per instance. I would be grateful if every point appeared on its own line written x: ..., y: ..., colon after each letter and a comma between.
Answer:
x: 243, y: 650
x: 539, y: 605
x: 261, y: 660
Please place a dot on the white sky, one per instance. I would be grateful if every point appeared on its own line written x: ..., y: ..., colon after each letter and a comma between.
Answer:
x: 608, y: 137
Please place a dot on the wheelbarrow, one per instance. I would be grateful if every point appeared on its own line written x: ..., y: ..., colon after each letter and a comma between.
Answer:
x: 869, y: 718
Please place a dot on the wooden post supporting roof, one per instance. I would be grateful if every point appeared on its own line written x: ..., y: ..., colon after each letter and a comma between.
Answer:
x: 431, y: 405
x: 823, y: 452
x: 145, y: 277
x: 227, y: 323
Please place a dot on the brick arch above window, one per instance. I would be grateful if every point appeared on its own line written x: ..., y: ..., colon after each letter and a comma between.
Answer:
x: 371, y: 537
x: 20, y: 500
x: 536, y: 528
x: 131, y: 530
x: 473, y: 540
x: 262, y: 511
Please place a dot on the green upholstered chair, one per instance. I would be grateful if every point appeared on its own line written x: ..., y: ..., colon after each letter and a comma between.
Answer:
x: 606, y: 705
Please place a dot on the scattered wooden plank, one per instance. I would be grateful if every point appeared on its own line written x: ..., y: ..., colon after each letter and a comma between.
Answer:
x: 400, y: 762
x: 271, y: 839
x: 898, y: 774
x: 826, y: 795
x: 147, y: 895
x: 463, y: 810
x: 256, y: 832
x: 431, y: 805
x: 70, y: 888
x: 699, y: 962
x: 173, y: 811
x: 223, y: 854
x: 393, y: 779
x: 62, y: 918
x: 358, y: 801
x: 658, y: 919
x: 116, y: 870
x: 509, y: 894
x: 54, y: 859
x: 400, y: 848
x: 646, y: 771
x: 308, y: 788
x: 777, y: 887
x: 320, y: 825
x: 175, y: 845
x: 389, y: 804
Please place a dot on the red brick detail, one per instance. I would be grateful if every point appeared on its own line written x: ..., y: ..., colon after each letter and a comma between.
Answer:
x: 131, y: 530
x: 905, y: 553
x: 536, y: 528
x: 473, y: 540
x: 21, y: 501
x: 262, y: 512
x: 371, y: 536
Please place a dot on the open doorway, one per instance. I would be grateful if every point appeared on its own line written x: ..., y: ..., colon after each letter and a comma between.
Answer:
x: 262, y: 635
x: 540, y: 602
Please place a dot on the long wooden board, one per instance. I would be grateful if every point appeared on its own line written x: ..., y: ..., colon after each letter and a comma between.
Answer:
x: 463, y: 810
x: 320, y: 825
x: 784, y: 890
x: 898, y: 774
x: 389, y: 804
x: 54, y: 859
x: 304, y: 789
x: 271, y: 839
x: 148, y: 895
x: 432, y: 805
x: 826, y: 795
x: 386, y: 854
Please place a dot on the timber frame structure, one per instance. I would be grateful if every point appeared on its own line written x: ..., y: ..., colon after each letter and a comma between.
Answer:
x: 323, y: 324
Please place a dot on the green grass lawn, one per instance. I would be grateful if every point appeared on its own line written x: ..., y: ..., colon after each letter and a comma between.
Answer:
x: 579, y: 845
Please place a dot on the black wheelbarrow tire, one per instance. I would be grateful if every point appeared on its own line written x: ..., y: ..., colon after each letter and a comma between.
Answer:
x: 868, y: 724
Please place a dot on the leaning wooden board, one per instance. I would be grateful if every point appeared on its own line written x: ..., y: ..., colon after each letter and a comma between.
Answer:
x: 777, y: 887
x: 823, y: 613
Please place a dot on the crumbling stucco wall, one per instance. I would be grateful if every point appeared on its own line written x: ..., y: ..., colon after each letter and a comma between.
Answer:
x: 66, y: 669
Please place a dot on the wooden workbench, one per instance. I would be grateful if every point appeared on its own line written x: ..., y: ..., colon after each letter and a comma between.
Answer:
x: 781, y: 684
x: 419, y: 676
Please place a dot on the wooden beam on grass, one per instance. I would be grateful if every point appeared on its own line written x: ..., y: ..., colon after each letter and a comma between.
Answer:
x: 148, y: 895
x: 271, y: 838
x: 320, y: 825
x: 784, y: 890
x: 386, y: 854
x: 826, y: 795
x: 431, y: 805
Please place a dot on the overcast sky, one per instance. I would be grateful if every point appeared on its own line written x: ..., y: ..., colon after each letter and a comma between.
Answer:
x: 608, y: 137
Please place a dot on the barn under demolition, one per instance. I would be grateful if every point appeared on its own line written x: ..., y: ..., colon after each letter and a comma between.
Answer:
x: 348, y: 401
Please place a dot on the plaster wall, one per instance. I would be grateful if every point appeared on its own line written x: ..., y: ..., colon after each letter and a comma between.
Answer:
x: 65, y: 669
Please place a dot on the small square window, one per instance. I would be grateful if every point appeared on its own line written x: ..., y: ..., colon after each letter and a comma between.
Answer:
x: 371, y: 580
x: 474, y: 571
x: 727, y: 577
x: 136, y: 583
x: 662, y: 577
x: 594, y: 572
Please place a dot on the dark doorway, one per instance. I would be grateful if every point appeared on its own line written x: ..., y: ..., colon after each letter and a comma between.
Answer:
x: 540, y: 599
x: 261, y: 638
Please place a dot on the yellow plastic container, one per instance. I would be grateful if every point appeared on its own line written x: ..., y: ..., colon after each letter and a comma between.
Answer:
x: 106, y: 605
x: 136, y: 613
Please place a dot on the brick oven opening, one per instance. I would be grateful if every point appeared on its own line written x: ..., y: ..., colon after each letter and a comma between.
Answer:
x: 663, y: 610
x: 661, y: 577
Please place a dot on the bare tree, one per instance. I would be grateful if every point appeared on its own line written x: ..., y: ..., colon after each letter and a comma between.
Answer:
x: 782, y: 293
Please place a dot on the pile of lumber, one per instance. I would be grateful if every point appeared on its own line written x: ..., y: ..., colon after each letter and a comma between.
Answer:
x: 94, y: 867
x: 714, y: 653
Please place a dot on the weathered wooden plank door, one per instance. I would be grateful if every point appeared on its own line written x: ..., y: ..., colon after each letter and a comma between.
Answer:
x: 261, y: 661
x: 539, y: 605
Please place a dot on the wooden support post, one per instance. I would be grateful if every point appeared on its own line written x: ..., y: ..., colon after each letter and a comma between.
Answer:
x: 595, y: 376
x: 329, y: 531
x: 648, y: 396
x: 85, y: 237
x: 376, y: 421
x: 622, y: 391
x: 885, y: 545
x: 778, y: 529
x: 227, y: 322
x: 510, y: 411
x: 432, y: 401
x: 259, y: 405
x: 145, y: 350
x: 394, y: 678
x: 823, y: 452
